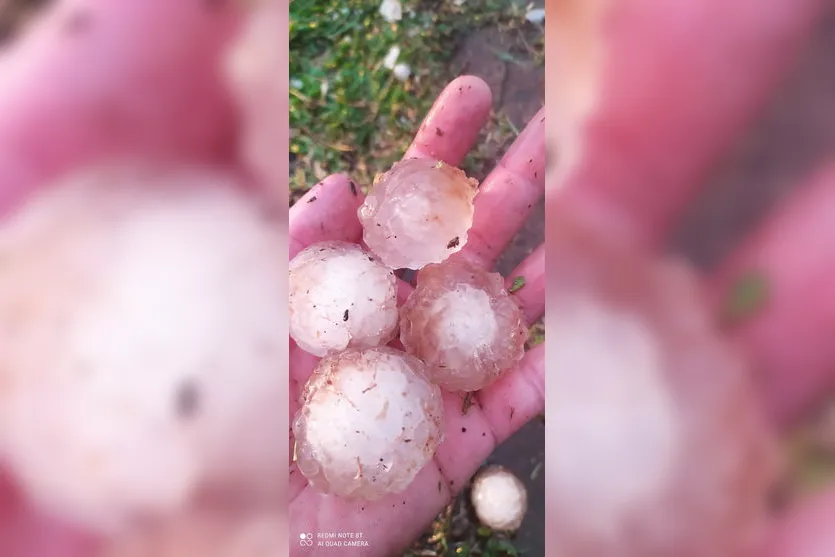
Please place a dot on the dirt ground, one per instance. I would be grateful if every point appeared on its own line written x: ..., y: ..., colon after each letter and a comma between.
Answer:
x: 518, y: 92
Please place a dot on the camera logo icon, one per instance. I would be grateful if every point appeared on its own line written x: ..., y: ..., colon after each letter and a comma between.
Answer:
x: 306, y: 540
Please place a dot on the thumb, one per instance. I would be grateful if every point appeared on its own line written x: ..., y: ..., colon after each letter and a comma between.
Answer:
x: 94, y: 78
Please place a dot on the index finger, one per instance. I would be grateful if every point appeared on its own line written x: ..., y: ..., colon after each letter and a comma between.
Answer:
x: 667, y: 90
x: 452, y: 125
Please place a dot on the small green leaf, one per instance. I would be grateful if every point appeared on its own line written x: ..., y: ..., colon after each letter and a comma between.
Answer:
x: 484, y: 532
x: 518, y: 283
x: 747, y: 296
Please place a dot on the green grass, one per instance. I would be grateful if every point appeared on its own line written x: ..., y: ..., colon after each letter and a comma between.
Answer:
x: 348, y: 113
x: 456, y: 533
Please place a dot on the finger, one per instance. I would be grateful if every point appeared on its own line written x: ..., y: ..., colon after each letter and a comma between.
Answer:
x: 507, y: 196
x: 26, y: 533
x: 788, y: 333
x: 805, y: 532
x: 661, y: 109
x: 453, y: 123
x: 516, y: 398
x: 328, y: 211
x: 95, y: 78
x: 527, y: 281
x: 475, y: 425
x: 388, y: 525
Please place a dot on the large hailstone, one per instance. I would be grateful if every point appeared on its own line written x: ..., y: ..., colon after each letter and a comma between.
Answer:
x: 341, y: 296
x: 499, y: 499
x: 660, y: 446
x: 370, y: 421
x: 141, y: 338
x: 417, y: 213
x: 462, y: 322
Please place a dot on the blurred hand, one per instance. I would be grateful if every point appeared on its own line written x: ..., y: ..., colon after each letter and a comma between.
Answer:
x: 676, y: 86
x: 505, y: 199
x: 88, y: 83
x: 95, y: 79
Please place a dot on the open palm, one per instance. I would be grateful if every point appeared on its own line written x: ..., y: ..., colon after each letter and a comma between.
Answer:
x: 505, y: 199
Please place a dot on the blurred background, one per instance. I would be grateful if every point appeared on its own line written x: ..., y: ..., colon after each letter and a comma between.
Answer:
x: 361, y: 81
x: 792, y: 136
x: 354, y: 106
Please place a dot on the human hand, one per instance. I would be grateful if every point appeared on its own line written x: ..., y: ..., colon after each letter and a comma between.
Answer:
x: 678, y: 83
x: 95, y: 79
x: 506, y: 197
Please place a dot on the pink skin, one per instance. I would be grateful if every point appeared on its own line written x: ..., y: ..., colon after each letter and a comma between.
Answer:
x: 128, y: 94
x: 96, y: 79
x: 680, y: 81
x: 807, y: 532
x: 514, y: 186
x: 667, y: 111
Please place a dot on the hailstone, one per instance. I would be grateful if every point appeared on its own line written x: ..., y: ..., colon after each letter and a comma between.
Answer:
x: 499, y: 498
x: 341, y: 296
x: 419, y: 212
x: 463, y: 324
x: 370, y: 421
x: 141, y: 343
x: 660, y: 447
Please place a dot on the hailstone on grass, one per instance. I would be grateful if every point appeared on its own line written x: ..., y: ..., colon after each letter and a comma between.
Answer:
x: 370, y: 421
x: 341, y: 296
x: 462, y: 322
x: 499, y: 499
x: 141, y: 343
x: 419, y: 212
x: 660, y: 445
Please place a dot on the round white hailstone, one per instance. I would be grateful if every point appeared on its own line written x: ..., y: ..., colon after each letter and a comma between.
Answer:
x: 341, y: 296
x: 463, y: 324
x: 664, y: 449
x: 391, y: 57
x: 417, y: 213
x: 369, y: 422
x: 499, y: 498
x: 205, y: 533
x: 402, y: 71
x: 141, y: 337
x: 391, y: 10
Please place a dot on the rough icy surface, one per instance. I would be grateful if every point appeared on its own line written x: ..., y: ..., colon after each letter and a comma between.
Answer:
x: 341, y: 296
x: 417, y: 213
x: 462, y: 322
x: 141, y: 338
x: 206, y: 533
x: 370, y: 421
x: 661, y: 448
x: 499, y: 498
